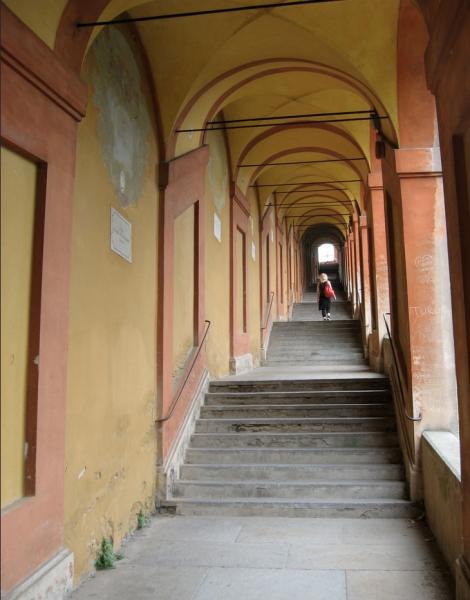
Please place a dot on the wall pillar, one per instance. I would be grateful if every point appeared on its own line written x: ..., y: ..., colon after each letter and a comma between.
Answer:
x: 428, y: 286
x: 352, y: 272
x: 42, y: 102
x: 357, y: 266
x: 379, y: 279
x: 420, y: 298
x: 446, y: 61
x: 185, y: 189
x: 365, y: 276
x: 241, y: 359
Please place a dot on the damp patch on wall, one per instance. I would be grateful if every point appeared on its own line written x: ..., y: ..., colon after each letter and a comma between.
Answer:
x: 123, y: 126
x: 218, y: 171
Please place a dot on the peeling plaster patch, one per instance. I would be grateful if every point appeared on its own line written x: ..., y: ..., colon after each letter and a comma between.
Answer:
x: 123, y: 127
x: 218, y: 173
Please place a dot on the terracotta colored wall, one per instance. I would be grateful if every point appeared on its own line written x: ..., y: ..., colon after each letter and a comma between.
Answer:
x: 183, y: 282
x: 41, y: 104
x: 396, y: 261
x: 447, y: 77
x: 42, y: 17
x: 240, y: 292
x: 18, y: 199
x: 253, y: 274
x: 111, y: 369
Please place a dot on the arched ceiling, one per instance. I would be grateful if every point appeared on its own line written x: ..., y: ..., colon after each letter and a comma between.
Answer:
x: 329, y: 57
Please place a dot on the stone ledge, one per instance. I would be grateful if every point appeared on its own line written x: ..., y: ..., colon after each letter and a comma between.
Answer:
x: 443, y: 492
x: 54, y: 580
x: 447, y: 446
x: 241, y: 364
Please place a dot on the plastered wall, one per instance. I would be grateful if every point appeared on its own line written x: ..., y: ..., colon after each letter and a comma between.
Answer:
x: 18, y: 191
x: 110, y: 435
x: 217, y: 273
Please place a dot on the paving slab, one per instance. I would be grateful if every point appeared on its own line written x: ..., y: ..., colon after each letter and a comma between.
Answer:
x: 255, y: 558
x: 416, y: 556
x: 405, y: 585
x: 257, y: 584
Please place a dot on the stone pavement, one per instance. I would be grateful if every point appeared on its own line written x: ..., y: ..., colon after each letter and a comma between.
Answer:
x: 251, y: 558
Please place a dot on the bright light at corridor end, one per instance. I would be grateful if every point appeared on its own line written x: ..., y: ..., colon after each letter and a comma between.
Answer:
x: 326, y: 253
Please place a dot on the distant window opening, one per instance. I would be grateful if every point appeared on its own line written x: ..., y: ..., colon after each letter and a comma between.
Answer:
x: 326, y: 253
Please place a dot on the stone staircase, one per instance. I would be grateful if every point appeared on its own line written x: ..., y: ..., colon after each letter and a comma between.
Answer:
x: 295, y: 447
x: 311, y: 433
x: 312, y: 343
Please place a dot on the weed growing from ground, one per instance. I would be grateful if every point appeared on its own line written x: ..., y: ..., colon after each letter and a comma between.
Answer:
x: 107, y: 557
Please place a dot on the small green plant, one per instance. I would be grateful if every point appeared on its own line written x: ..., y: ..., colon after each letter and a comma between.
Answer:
x: 107, y: 557
x: 141, y: 520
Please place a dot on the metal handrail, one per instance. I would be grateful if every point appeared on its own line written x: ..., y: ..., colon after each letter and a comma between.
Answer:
x: 175, y: 401
x: 269, y: 311
x: 395, y: 360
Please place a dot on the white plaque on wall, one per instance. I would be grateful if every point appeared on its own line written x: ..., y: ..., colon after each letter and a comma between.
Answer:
x: 272, y: 235
x: 217, y: 227
x: 253, y: 251
x: 121, y: 235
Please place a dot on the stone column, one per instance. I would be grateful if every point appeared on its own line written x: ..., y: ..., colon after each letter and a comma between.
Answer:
x: 428, y: 288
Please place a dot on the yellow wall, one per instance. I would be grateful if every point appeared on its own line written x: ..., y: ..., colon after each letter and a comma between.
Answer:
x: 110, y: 431
x: 18, y: 195
x: 253, y: 306
x: 183, y: 289
x: 217, y: 259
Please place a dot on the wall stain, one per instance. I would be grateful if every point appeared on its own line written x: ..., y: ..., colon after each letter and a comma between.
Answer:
x: 124, y: 126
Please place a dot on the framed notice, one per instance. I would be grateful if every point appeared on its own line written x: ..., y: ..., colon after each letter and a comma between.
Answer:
x: 121, y: 235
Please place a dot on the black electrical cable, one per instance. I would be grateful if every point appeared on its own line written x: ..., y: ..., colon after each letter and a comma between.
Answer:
x: 304, y: 183
x: 257, y: 126
x: 202, y: 12
x: 299, y: 162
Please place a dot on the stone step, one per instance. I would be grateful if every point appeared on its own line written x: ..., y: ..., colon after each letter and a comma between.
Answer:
x: 295, y: 456
x: 277, y: 507
x: 314, y: 356
x: 318, y: 338
x: 333, y: 490
x: 326, y: 345
x: 324, y: 331
x: 307, y: 323
x: 311, y: 397
x: 295, y: 440
x: 309, y: 326
x: 316, y: 385
x: 328, y: 350
x: 317, y: 329
x: 295, y: 425
x: 313, y: 362
x: 374, y: 409
x: 291, y: 472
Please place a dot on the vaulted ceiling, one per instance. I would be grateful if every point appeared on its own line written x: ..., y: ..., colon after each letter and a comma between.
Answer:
x: 330, y: 57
